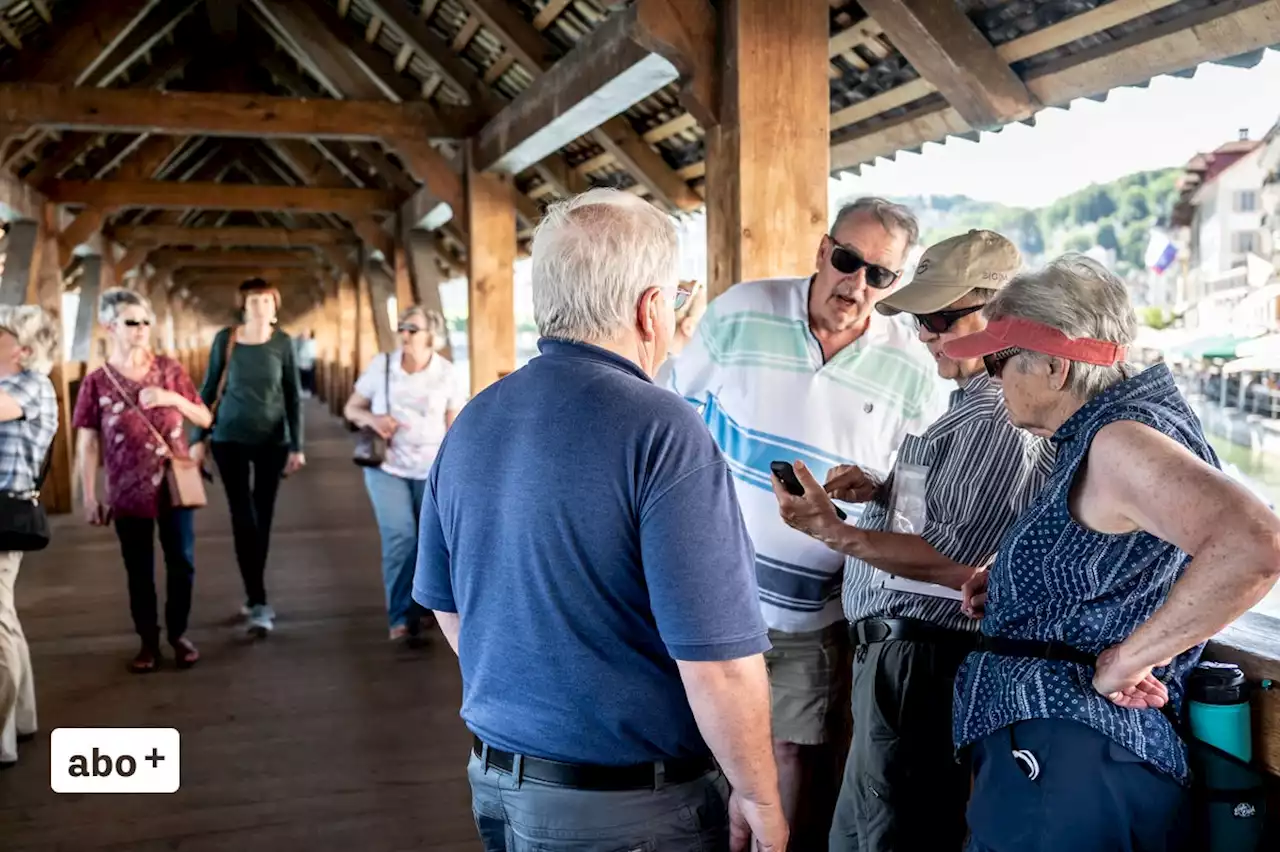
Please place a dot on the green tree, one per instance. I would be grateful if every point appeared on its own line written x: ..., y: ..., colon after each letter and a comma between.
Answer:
x: 1107, y: 236
x: 1079, y: 241
x: 1134, y: 206
x: 1156, y: 317
x: 1133, y: 244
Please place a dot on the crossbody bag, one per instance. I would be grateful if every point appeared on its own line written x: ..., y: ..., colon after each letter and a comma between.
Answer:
x: 182, y: 474
x: 24, y: 525
x: 371, y: 448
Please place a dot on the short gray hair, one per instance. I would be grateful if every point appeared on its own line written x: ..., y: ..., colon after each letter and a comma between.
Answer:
x: 893, y: 217
x: 113, y: 300
x: 593, y: 257
x: 37, y: 331
x: 1081, y: 298
x: 432, y: 321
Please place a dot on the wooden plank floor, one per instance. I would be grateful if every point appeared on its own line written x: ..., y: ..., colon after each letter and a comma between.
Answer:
x: 323, y: 737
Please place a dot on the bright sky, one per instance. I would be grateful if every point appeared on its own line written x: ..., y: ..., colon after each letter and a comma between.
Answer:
x: 1134, y: 130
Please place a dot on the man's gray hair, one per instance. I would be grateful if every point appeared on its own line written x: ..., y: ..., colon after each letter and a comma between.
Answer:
x: 893, y: 217
x: 433, y: 323
x: 112, y: 301
x: 1081, y: 298
x: 37, y: 331
x: 593, y: 257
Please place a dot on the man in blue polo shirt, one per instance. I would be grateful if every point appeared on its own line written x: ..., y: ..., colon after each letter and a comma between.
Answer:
x: 584, y: 552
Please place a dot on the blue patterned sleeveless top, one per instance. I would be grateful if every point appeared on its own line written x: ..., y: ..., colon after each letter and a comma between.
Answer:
x: 1055, y: 579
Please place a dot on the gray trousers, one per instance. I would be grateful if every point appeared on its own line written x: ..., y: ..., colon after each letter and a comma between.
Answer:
x: 903, y: 787
x: 533, y: 816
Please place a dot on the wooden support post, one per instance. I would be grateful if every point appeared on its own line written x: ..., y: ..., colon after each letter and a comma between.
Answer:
x: 87, y: 312
x: 425, y: 276
x: 46, y: 291
x: 22, y: 262
x: 767, y: 160
x: 381, y: 288
x: 491, y: 257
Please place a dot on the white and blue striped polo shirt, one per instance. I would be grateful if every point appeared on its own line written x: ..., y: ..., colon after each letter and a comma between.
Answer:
x: 755, y: 371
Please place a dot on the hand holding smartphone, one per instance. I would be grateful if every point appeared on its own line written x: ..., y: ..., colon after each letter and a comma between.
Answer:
x: 787, y: 476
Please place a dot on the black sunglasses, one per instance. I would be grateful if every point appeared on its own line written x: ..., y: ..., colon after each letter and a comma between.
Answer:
x: 136, y: 323
x: 410, y: 329
x: 940, y: 322
x: 847, y: 261
x: 996, y: 360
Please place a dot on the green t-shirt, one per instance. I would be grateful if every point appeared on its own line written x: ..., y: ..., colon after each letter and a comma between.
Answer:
x: 260, y: 403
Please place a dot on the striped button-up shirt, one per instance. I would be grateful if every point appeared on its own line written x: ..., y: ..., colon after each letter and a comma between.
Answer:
x: 24, y: 443
x: 756, y: 373
x: 977, y: 472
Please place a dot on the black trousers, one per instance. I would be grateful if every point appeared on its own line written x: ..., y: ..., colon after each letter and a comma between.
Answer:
x: 251, y: 476
x: 903, y: 787
x: 137, y: 546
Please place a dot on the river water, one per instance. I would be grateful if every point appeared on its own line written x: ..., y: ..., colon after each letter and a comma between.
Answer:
x: 1263, y: 471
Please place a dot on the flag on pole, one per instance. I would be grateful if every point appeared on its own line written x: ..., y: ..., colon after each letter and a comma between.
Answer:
x: 1161, y: 251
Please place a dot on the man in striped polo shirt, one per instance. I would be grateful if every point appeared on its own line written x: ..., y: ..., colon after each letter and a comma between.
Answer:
x: 805, y: 368
x: 953, y: 492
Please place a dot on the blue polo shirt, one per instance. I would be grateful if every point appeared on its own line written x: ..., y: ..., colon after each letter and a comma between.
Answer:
x: 584, y: 526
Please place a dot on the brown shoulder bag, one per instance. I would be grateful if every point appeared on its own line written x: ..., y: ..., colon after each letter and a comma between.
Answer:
x: 182, y: 474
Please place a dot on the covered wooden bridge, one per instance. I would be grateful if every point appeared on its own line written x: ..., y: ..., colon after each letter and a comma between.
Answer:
x: 359, y: 150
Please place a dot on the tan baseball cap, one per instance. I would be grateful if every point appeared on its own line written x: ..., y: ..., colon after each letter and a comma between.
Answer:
x: 951, y: 268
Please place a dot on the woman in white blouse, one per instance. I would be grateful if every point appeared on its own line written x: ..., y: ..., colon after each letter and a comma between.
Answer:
x: 410, y: 397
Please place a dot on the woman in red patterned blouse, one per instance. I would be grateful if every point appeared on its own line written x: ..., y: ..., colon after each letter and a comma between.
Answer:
x: 114, y: 407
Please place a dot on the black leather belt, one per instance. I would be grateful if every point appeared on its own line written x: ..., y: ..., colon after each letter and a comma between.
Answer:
x: 578, y: 776
x: 1048, y: 649
x: 871, y: 630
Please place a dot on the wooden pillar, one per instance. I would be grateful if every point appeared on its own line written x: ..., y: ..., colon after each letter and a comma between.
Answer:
x: 22, y: 263
x: 491, y: 257
x: 46, y: 291
x: 381, y: 289
x: 767, y: 161
x: 425, y: 276
x: 87, y: 311
x: 347, y: 317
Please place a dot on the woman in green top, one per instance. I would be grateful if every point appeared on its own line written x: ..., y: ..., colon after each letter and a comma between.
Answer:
x: 257, y: 426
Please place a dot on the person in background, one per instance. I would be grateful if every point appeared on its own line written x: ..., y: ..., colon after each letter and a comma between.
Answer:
x: 585, y: 555
x: 307, y: 350
x: 953, y: 492
x: 410, y: 397
x: 1136, y: 552
x: 122, y: 411
x: 28, y: 420
x: 687, y: 319
x: 253, y: 388
x: 805, y: 366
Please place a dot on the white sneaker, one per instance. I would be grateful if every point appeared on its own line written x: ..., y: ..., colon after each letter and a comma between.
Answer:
x: 261, y: 620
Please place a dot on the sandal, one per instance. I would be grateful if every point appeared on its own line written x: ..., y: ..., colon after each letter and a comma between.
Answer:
x: 185, y: 654
x: 146, y: 660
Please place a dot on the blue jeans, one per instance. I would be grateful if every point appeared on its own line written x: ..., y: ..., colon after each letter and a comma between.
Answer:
x: 397, y: 502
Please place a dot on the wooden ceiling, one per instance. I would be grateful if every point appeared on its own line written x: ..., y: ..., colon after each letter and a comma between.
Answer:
x: 111, y: 104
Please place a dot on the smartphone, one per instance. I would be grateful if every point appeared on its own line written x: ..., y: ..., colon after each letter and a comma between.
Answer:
x: 787, y: 476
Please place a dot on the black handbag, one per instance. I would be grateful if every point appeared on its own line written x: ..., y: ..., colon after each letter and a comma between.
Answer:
x: 24, y: 525
x: 371, y: 448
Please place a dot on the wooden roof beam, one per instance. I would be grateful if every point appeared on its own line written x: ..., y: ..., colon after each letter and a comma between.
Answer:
x: 218, y: 258
x: 229, y: 237
x: 83, y: 39
x: 632, y: 55
x: 949, y: 51
x: 143, y: 111
x: 219, y: 196
x: 157, y: 24
x: 520, y: 36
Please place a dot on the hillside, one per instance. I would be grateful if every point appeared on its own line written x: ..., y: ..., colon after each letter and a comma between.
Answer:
x: 1117, y: 216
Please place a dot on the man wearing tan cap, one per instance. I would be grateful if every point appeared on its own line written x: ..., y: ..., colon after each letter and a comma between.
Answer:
x: 953, y: 492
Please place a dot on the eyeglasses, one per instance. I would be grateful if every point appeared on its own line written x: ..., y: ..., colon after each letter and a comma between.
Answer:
x: 682, y: 297
x: 409, y: 329
x: 848, y: 261
x: 940, y: 322
x: 996, y: 360
x: 136, y: 323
